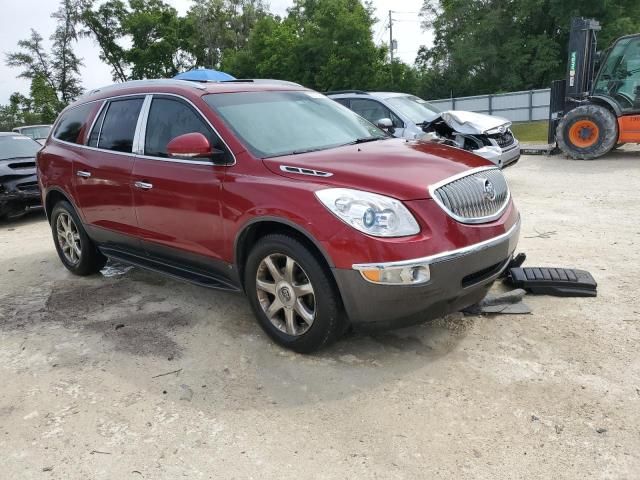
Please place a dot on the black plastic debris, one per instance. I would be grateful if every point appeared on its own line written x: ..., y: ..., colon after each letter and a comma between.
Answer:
x: 561, y: 282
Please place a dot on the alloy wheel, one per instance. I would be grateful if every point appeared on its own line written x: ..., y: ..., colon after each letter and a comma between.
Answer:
x: 286, y: 294
x: 68, y: 238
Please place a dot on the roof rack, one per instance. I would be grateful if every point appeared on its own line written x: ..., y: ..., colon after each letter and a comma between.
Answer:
x: 338, y: 92
x: 159, y: 82
x: 262, y: 80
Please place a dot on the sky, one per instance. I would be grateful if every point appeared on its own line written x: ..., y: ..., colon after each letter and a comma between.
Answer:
x: 18, y: 17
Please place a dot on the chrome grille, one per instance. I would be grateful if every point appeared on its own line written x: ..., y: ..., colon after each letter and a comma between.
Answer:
x: 478, y: 197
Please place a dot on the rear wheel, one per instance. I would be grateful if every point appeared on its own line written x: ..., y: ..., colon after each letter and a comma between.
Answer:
x: 587, y: 132
x: 292, y: 294
x: 75, y: 249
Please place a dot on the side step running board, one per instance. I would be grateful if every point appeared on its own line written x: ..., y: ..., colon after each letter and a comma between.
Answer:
x: 199, y: 278
x: 561, y: 282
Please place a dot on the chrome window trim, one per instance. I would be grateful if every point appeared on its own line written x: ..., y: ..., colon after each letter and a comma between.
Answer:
x: 141, y: 126
x: 468, y: 221
x: 141, y: 156
x: 443, y: 256
x: 104, y: 108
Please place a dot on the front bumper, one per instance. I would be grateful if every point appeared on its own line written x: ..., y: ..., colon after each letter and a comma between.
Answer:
x: 18, y: 194
x: 458, y: 279
x: 499, y: 157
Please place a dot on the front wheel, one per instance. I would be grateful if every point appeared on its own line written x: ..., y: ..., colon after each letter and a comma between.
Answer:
x: 75, y: 249
x: 292, y: 294
x: 587, y: 132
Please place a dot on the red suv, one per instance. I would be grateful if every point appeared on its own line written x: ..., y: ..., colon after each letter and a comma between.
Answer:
x: 279, y: 192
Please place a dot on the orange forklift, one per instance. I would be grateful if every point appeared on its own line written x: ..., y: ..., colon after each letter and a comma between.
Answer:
x: 593, y: 113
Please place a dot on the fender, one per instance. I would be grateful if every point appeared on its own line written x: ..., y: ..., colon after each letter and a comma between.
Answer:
x: 67, y: 197
x: 606, y: 102
x: 283, y: 221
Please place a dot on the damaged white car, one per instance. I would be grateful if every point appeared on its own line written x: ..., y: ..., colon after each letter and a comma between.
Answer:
x: 408, y: 116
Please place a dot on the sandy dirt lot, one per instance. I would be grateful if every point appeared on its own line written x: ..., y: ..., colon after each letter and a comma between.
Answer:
x: 555, y: 394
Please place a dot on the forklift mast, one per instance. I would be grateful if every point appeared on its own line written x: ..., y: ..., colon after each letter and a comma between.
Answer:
x: 581, y: 65
x: 582, y: 57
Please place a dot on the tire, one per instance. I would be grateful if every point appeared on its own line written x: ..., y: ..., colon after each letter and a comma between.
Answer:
x: 88, y: 260
x: 587, y: 132
x: 265, y: 289
x: 617, y: 146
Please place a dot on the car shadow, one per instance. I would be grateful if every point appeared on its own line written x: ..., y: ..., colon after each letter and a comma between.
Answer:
x: 32, y: 216
x: 139, y: 324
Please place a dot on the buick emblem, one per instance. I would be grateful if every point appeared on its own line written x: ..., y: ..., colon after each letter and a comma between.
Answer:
x: 488, y: 190
x: 502, y: 129
x: 285, y: 294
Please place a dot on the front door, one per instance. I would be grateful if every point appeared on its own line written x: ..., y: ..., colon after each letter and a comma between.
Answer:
x: 102, y: 173
x: 177, y: 201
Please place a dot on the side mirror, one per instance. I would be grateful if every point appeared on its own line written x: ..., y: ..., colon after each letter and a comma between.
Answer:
x: 192, y: 145
x: 386, y: 124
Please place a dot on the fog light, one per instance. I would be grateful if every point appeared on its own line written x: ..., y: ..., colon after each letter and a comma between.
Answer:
x: 405, y: 275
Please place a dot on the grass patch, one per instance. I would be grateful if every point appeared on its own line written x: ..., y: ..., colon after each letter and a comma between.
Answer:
x: 531, y: 132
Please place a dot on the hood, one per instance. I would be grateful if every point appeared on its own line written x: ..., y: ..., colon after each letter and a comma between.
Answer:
x: 393, y: 167
x: 472, y: 123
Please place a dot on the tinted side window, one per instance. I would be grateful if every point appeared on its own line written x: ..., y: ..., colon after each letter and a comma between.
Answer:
x: 71, y: 123
x: 119, y: 125
x: 170, y: 118
x: 374, y: 111
x: 343, y: 101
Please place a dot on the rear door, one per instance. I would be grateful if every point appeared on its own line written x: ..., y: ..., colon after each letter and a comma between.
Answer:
x: 177, y: 201
x: 102, y: 174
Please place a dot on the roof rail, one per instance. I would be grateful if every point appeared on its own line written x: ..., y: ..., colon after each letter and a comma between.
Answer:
x: 159, y: 81
x: 338, y: 92
x: 262, y: 80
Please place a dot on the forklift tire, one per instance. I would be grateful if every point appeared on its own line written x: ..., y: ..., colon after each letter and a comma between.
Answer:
x: 587, y: 132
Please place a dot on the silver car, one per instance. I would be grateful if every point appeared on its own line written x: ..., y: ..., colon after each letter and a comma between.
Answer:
x: 408, y: 116
x: 38, y: 132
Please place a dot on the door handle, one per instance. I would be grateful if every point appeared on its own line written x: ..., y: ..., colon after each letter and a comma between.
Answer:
x: 143, y: 185
x: 83, y: 174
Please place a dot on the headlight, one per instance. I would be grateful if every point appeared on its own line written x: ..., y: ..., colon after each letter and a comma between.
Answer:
x: 370, y: 213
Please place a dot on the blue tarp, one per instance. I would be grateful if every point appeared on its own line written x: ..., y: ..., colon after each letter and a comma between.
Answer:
x: 204, y: 74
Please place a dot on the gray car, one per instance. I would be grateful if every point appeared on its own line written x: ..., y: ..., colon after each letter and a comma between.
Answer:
x: 19, y: 190
x: 408, y: 116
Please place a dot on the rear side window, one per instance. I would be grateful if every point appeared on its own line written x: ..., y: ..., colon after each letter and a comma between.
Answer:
x: 117, y: 128
x: 71, y: 123
x: 170, y: 118
x: 342, y: 101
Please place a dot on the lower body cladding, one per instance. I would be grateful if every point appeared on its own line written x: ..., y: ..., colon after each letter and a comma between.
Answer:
x: 456, y: 280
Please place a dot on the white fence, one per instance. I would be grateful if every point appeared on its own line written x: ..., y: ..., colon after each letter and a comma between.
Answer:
x: 522, y: 106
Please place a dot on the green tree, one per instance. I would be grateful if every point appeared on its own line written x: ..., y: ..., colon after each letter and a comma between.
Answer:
x: 322, y: 44
x: 488, y: 46
x: 60, y: 68
x: 158, y: 39
x: 222, y: 25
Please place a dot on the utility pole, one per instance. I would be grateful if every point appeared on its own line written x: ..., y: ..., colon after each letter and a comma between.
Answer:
x: 391, y: 36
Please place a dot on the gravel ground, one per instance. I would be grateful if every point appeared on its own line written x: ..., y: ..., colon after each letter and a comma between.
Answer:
x: 87, y: 391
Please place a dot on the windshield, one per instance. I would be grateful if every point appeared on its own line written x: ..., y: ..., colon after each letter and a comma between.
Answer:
x: 17, y: 146
x: 620, y: 74
x: 414, y: 108
x: 280, y: 123
x: 41, y: 131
